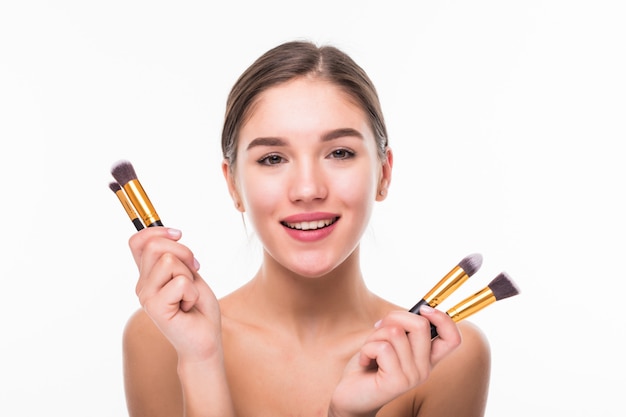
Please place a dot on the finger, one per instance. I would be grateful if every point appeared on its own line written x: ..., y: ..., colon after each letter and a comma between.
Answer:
x: 394, y: 334
x: 383, y: 360
x: 161, y: 273
x: 138, y: 240
x: 154, y: 256
x: 411, y: 340
x: 179, y: 294
x: 206, y: 302
x: 449, y: 335
x: 382, y: 354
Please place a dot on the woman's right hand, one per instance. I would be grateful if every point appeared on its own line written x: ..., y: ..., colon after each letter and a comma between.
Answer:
x: 174, y: 295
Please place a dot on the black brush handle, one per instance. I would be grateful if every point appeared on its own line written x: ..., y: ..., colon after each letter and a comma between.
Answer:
x: 433, y: 331
x: 416, y: 310
x: 156, y: 223
x: 138, y: 224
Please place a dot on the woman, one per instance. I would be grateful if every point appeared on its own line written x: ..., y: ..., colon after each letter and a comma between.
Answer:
x: 306, y: 157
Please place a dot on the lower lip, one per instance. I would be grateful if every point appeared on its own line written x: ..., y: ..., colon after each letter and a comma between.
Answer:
x: 310, y: 235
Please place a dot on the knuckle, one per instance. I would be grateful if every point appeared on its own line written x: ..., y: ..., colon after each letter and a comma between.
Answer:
x: 396, y: 331
x: 385, y: 347
x: 168, y: 259
x: 179, y: 282
x: 422, y: 324
x: 151, y: 245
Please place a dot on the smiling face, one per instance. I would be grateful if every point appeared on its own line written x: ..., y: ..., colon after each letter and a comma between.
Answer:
x: 308, y: 174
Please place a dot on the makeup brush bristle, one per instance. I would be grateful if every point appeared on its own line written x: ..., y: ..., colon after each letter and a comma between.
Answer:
x: 115, y: 187
x: 503, y: 287
x: 123, y: 172
x: 471, y: 263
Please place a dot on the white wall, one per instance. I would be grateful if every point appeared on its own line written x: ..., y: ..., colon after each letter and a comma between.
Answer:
x: 506, y: 119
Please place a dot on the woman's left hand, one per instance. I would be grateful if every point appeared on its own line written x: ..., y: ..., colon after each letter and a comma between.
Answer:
x: 398, y: 356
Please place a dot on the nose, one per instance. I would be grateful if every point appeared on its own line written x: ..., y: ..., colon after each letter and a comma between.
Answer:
x: 308, y: 182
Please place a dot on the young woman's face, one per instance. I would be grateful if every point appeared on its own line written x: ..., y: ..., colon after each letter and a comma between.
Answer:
x: 308, y: 174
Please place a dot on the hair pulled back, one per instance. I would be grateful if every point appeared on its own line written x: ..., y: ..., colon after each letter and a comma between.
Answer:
x: 297, y: 59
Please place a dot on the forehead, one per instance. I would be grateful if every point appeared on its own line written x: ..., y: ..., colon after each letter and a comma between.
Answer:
x: 304, y: 104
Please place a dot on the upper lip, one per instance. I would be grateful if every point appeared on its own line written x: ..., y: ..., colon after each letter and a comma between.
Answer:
x: 309, y: 221
x: 309, y: 217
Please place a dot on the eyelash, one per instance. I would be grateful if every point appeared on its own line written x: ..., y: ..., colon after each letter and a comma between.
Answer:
x: 347, y: 154
x: 275, y: 159
x: 266, y: 159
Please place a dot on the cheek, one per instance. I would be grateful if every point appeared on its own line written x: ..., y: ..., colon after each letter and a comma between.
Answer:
x: 260, y: 194
x: 356, y: 189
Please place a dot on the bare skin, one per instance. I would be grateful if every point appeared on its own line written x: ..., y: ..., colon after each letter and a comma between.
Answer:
x: 305, y: 336
x: 282, y: 364
x: 307, y: 362
x: 266, y: 369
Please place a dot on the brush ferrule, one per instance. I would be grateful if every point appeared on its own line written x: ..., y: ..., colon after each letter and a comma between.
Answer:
x: 130, y: 210
x: 472, y: 304
x: 448, y: 284
x: 141, y: 202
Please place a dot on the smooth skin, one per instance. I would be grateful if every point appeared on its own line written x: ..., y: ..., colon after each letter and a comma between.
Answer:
x: 305, y: 336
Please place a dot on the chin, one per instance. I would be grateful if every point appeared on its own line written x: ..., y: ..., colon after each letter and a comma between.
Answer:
x: 311, y: 273
x: 315, y: 267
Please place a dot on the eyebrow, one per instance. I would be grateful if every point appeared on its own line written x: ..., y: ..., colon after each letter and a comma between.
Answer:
x: 333, y: 134
x: 266, y: 142
x: 339, y: 133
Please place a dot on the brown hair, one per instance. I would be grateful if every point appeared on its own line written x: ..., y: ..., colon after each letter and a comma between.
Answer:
x: 296, y: 59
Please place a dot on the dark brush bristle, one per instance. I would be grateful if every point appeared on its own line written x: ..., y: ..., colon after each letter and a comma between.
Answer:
x: 503, y: 287
x: 115, y: 187
x: 471, y: 263
x: 123, y: 172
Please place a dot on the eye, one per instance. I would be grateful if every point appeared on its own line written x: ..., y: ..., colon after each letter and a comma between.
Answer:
x: 341, y: 154
x: 271, y: 159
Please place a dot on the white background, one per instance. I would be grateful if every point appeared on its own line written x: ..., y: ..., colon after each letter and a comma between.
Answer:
x: 507, y: 122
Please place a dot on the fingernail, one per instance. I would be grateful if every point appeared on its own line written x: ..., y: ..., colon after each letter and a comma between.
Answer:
x: 173, y: 232
x: 426, y: 309
x: 196, y: 264
x: 377, y: 324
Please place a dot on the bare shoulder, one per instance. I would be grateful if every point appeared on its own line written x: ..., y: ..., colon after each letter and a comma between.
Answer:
x: 471, y: 361
x: 459, y: 384
x: 474, y: 345
x: 142, y: 336
x: 150, y: 375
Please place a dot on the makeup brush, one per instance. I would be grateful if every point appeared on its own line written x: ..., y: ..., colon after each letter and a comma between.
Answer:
x: 499, y: 288
x: 125, y: 175
x: 128, y: 207
x: 450, y: 282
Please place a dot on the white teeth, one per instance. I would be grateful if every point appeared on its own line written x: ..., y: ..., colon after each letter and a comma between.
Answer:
x: 318, y: 224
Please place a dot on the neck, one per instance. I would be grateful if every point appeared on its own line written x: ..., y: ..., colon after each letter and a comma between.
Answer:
x: 311, y: 306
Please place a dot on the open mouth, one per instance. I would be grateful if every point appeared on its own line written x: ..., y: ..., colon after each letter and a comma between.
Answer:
x: 312, y: 225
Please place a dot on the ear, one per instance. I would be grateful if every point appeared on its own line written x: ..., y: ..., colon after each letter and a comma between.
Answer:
x: 232, y: 186
x: 385, y: 176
